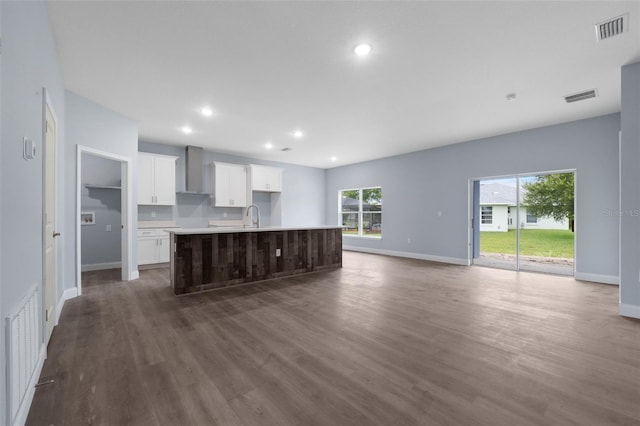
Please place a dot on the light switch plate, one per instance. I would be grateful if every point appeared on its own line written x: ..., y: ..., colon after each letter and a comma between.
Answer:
x: 28, y: 149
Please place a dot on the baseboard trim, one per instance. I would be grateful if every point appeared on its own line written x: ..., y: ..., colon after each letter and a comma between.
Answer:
x: 134, y: 275
x: 410, y: 255
x: 69, y: 293
x: 632, y: 311
x: 597, y: 278
x: 100, y: 266
x: 23, y: 411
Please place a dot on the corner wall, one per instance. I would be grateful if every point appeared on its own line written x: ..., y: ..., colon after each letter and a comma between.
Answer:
x: 629, y: 192
x: 416, y: 186
x: 29, y: 63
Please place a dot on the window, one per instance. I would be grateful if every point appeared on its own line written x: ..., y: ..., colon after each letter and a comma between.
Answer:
x: 486, y: 215
x: 531, y: 218
x: 361, y: 212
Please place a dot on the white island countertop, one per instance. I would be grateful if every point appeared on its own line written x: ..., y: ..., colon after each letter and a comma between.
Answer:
x: 231, y: 230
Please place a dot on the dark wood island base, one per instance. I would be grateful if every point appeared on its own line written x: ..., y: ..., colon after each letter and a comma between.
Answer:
x: 212, y: 259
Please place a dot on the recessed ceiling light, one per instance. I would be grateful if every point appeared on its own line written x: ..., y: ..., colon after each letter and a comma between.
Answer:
x: 362, y: 49
x: 298, y: 134
x: 511, y: 96
x: 268, y: 145
x: 334, y: 158
x: 186, y: 130
x: 206, y: 111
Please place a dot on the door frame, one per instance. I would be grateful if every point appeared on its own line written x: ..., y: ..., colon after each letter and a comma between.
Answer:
x: 471, y: 212
x: 126, y: 200
x: 47, y: 103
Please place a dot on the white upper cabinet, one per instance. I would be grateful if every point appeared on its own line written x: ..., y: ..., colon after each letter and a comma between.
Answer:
x: 156, y: 179
x: 229, y: 185
x: 267, y: 179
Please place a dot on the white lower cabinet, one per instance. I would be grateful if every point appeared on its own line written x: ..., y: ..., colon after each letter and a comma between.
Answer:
x: 153, y: 246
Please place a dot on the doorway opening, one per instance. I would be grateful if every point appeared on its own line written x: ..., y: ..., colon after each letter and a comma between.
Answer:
x: 104, y: 219
x: 100, y: 215
x: 525, y: 222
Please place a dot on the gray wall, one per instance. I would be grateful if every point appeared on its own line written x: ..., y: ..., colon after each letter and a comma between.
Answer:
x: 630, y: 195
x: 94, y: 126
x: 302, y: 194
x: 416, y: 186
x: 29, y: 63
x: 100, y: 246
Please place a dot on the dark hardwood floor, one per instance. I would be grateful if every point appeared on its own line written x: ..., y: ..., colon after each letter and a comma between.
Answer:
x: 384, y: 341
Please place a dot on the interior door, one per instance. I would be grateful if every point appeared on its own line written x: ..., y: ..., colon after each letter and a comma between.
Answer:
x: 50, y: 221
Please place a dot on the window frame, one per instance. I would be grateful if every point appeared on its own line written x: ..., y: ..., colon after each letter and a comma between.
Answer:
x: 360, y: 212
x: 489, y: 209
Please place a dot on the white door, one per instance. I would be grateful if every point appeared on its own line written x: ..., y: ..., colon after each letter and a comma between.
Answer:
x: 50, y: 221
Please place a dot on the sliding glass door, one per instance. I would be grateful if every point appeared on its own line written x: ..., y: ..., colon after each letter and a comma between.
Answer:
x: 525, y: 222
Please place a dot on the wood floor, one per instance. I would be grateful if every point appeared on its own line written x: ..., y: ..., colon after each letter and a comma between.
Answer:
x: 384, y: 340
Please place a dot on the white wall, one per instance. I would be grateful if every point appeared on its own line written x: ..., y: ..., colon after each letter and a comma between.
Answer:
x: 29, y: 63
x: 500, y: 222
x: 544, y: 222
x: 302, y: 194
x: 94, y: 126
x: 419, y: 185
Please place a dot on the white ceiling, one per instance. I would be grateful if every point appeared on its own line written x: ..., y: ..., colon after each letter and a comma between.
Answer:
x: 438, y: 73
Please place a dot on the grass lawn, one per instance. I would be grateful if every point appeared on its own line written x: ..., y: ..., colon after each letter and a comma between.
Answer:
x: 533, y: 242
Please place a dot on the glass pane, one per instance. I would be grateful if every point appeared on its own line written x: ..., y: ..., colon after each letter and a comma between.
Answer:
x: 546, y: 216
x: 372, y: 199
x: 350, y: 201
x: 497, y: 223
x: 372, y: 224
x: 350, y: 223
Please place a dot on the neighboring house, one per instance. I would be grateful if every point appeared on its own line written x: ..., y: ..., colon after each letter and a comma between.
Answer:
x: 498, y: 211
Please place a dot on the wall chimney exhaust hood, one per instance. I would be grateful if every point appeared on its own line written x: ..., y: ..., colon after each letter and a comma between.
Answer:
x: 193, y: 170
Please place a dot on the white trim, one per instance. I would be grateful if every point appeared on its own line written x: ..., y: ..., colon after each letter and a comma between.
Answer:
x: 597, y: 278
x: 135, y: 275
x: 127, y: 211
x: 101, y: 266
x: 23, y: 412
x: 410, y: 255
x: 69, y: 293
x: 632, y: 311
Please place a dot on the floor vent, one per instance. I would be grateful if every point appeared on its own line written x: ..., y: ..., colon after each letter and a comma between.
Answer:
x: 581, y: 96
x: 612, y: 27
x: 23, y: 344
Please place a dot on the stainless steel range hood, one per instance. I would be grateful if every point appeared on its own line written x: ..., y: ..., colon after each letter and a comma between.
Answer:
x: 194, y: 167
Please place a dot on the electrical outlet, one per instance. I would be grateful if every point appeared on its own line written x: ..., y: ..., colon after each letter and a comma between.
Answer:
x: 153, y: 214
x: 408, y: 240
x: 278, y: 253
x: 224, y: 214
x: 108, y: 228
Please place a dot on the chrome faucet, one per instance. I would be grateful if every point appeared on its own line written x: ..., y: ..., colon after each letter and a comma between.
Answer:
x: 257, y: 222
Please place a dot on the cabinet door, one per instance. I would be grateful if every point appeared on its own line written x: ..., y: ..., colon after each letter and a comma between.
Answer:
x: 258, y: 178
x: 165, y: 181
x: 274, y: 179
x: 164, y: 253
x: 145, y: 179
x: 147, y: 250
x: 238, y: 186
x: 221, y: 177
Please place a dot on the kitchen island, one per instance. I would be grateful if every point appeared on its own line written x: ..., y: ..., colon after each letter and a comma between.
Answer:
x: 210, y: 258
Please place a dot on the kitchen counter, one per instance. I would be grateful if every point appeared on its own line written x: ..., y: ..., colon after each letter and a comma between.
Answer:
x: 226, y: 230
x: 211, y: 258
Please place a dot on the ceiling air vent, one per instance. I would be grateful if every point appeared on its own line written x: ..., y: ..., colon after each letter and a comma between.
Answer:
x: 612, y: 27
x: 581, y: 96
x: 286, y: 149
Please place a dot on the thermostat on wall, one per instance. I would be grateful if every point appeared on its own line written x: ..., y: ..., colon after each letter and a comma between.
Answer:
x: 29, y: 149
